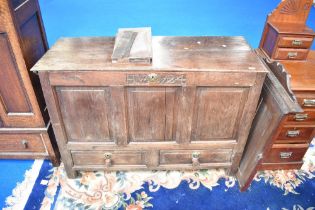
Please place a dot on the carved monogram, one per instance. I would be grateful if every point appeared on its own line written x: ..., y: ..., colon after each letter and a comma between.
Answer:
x: 133, y: 79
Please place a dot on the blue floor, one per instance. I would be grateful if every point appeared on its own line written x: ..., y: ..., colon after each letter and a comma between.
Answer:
x: 166, y: 17
x: 12, y: 171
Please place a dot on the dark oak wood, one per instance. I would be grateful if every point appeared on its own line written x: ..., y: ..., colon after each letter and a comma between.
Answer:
x: 24, y: 121
x: 189, y: 110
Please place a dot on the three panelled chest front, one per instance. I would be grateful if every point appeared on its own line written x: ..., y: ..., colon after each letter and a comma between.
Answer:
x: 139, y: 117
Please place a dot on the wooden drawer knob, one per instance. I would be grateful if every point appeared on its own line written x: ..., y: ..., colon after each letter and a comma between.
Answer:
x: 195, y: 159
x: 285, y: 155
x: 108, y: 160
x: 300, y: 117
x: 24, y: 143
x: 293, y: 133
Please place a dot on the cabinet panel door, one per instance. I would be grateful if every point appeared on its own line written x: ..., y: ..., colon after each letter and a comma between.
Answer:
x: 13, y: 97
x: 84, y: 112
x: 31, y: 30
x: 151, y: 113
x: 18, y: 104
x: 217, y: 112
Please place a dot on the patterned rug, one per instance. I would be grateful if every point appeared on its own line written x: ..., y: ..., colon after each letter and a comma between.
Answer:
x: 203, y: 189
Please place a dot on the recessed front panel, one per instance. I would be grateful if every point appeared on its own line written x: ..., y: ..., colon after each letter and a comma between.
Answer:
x: 12, y: 92
x: 33, y: 46
x: 85, y: 113
x: 151, y: 113
x: 217, y: 112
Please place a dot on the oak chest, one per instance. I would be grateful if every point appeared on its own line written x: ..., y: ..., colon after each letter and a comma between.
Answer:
x: 191, y: 109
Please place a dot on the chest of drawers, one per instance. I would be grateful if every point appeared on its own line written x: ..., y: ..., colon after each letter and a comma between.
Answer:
x: 284, y: 124
x: 286, y: 35
x: 283, y: 41
x: 191, y: 109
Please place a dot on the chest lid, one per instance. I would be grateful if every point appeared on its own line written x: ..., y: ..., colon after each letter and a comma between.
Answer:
x: 206, y: 53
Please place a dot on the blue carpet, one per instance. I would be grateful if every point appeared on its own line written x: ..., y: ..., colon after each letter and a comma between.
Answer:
x: 12, y: 171
x: 260, y: 196
x: 38, y: 193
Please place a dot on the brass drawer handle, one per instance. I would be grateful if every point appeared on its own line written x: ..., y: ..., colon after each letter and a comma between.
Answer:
x: 309, y: 102
x: 297, y: 42
x: 195, y: 159
x: 293, y: 133
x: 285, y: 155
x: 24, y: 143
x: 300, y: 117
x: 108, y: 160
x: 292, y: 55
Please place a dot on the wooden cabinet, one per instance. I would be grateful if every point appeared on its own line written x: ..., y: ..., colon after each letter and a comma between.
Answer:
x: 285, y: 36
x: 191, y: 109
x: 25, y: 131
x: 284, y: 124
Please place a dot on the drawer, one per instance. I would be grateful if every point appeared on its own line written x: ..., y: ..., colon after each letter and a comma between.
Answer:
x: 295, y: 134
x: 281, y: 153
x: 307, y: 117
x: 194, y: 157
x: 306, y: 102
x: 280, y: 166
x: 295, y: 41
x: 290, y: 54
x: 108, y: 159
x: 21, y: 143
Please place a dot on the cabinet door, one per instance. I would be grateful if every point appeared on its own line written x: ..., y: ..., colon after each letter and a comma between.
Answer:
x: 33, y: 42
x: 30, y: 28
x: 18, y: 106
x: 275, y: 103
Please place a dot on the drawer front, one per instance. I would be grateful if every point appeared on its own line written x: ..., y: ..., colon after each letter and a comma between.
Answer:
x: 290, y: 54
x: 295, y: 134
x: 307, y: 117
x: 280, y: 166
x: 286, y: 153
x: 295, y: 41
x: 194, y: 157
x: 108, y: 159
x: 21, y: 143
x: 307, y: 102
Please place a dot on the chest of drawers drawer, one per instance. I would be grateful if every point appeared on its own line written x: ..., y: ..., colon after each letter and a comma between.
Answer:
x: 295, y: 135
x: 194, y: 157
x: 305, y: 118
x: 21, y: 143
x: 303, y: 42
x: 282, y: 153
x: 290, y: 54
x: 145, y: 159
x: 109, y: 159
